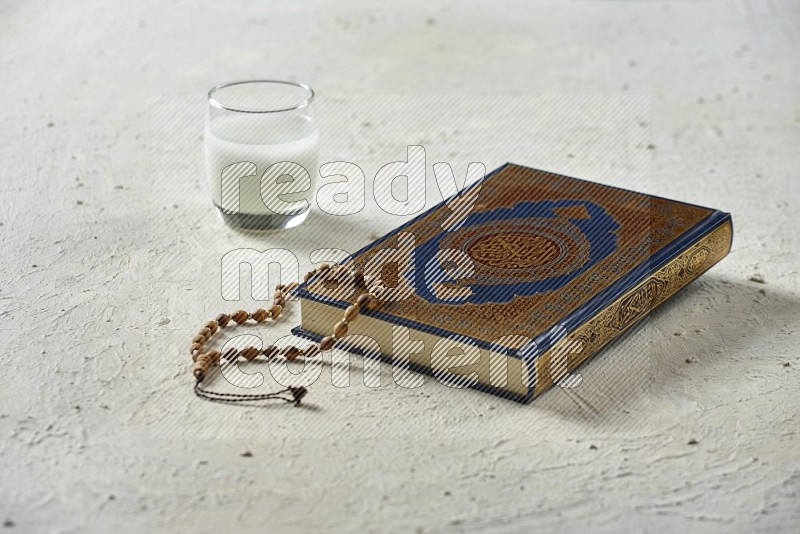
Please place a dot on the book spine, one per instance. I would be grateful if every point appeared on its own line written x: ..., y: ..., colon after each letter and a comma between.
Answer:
x: 631, y: 307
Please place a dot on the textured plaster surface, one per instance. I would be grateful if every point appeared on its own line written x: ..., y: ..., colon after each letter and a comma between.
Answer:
x: 111, y: 260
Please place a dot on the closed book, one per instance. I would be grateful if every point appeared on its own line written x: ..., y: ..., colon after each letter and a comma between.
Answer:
x: 513, y: 283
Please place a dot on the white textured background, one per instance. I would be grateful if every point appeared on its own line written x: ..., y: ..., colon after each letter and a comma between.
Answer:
x: 110, y: 262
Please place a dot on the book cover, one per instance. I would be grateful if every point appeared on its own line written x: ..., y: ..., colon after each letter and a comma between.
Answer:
x: 512, y: 284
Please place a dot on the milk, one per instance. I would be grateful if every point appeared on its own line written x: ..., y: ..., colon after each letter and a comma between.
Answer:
x: 263, y: 139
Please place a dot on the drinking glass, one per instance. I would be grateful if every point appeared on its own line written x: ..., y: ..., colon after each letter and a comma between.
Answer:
x: 261, y: 150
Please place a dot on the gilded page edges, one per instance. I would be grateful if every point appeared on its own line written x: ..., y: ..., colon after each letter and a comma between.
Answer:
x: 586, y: 340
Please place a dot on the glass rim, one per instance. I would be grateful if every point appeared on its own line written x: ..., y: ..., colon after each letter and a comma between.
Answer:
x: 219, y: 105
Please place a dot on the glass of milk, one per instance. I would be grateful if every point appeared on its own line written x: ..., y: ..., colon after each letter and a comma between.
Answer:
x: 261, y: 149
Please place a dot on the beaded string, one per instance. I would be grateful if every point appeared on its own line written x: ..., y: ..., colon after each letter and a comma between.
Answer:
x: 204, y: 360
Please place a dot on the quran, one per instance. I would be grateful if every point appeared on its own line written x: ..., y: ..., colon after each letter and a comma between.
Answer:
x: 514, y: 282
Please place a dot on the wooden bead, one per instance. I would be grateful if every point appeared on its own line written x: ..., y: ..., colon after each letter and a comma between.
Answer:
x: 213, y: 326
x: 196, y: 354
x: 291, y: 352
x: 340, y: 330
x: 260, y: 315
x: 199, y: 339
x: 249, y: 353
x: 358, y: 277
x: 364, y: 301
x: 199, y: 374
x: 308, y: 276
x: 279, y: 287
x: 323, y: 267
x: 280, y: 301
x: 195, y: 347
x: 350, y: 313
x: 231, y: 354
x: 202, y: 362
x: 278, y: 294
x: 214, y: 356
x: 270, y: 351
x: 239, y: 316
x: 276, y: 310
x: 201, y: 367
x: 205, y: 332
x: 326, y: 343
x: 311, y: 351
x: 222, y: 319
